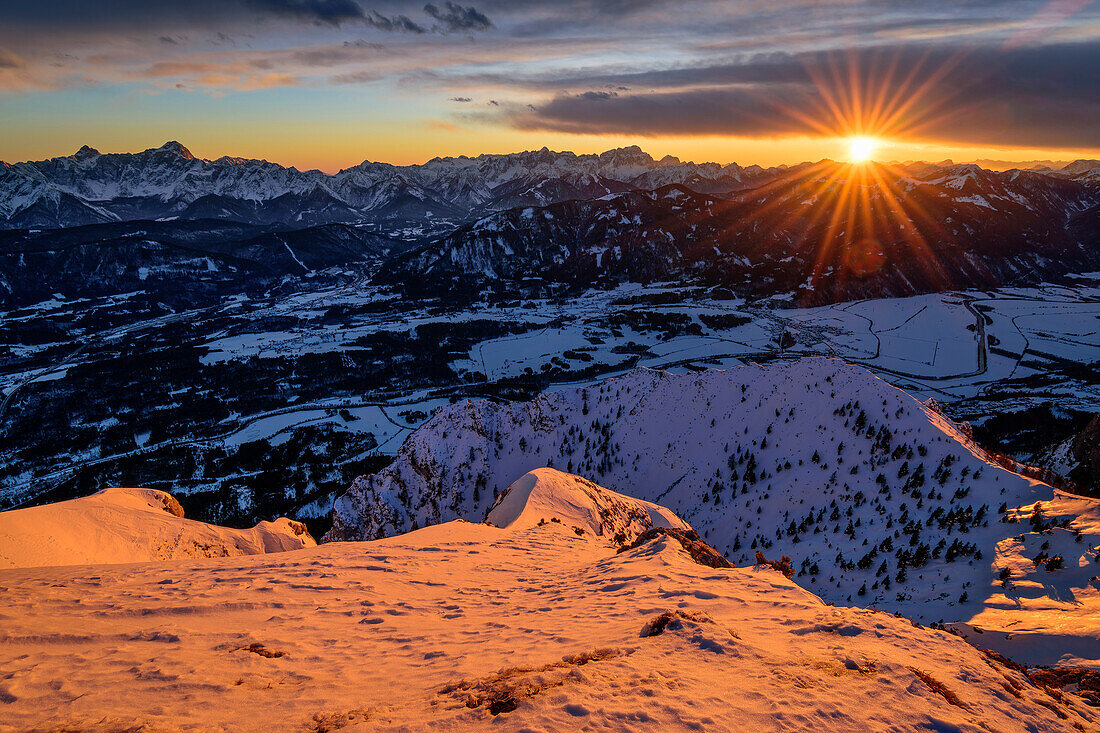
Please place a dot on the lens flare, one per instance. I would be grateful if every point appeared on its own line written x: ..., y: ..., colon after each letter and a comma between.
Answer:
x: 865, y: 212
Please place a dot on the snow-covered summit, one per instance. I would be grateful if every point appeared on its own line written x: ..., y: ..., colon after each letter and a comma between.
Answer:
x: 130, y: 525
x: 547, y: 495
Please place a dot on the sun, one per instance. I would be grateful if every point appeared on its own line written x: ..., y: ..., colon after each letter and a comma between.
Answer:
x: 860, y: 149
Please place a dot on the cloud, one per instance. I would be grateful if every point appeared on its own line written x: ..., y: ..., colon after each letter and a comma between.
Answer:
x: 455, y: 17
x: 639, y: 67
x: 1041, y: 96
x: 324, y: 12
x: 598, y: 96
x: 394, y: 24
x: 355, y: 77
x: 9, y: 60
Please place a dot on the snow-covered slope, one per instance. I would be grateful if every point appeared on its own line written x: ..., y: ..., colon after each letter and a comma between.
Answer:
x: 879, y: 499
x: 547, y: 495
x: 467, y: 626
x: 130, y: 525
x: 1045, y: 606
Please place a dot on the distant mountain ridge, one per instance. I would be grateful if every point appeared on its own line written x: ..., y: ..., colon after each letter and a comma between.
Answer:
x: 538, y: 222
x: 90, y: 187
x: 814, y: 234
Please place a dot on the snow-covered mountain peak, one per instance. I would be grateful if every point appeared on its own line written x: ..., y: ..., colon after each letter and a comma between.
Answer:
x: 628, y: 157
x: 1082, y: 165
x: 174, y: 147
x: 872, y: 493
x: 86, y: 153
x: 547, y: 495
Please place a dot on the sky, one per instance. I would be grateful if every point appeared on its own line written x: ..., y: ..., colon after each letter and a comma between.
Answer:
x: 329, y: 83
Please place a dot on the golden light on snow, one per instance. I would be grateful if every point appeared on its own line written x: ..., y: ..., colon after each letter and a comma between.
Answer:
x: 861, y: 148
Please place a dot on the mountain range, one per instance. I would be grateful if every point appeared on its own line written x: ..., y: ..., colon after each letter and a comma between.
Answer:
x: 563, y: 540
x: 89, y: 187
x: 816, y: 234
x: 92, y: 187
x: 537, y: 222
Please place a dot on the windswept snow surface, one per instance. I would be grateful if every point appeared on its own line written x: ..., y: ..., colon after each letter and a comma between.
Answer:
x: 879, y: 499
x: 130, y: 525
x: 466, y: 626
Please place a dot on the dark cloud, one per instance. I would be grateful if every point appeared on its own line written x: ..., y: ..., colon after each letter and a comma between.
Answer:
x: 327, y: 12
x: 455, y: 17
x: 597, y: 96
x: 168, y: 40
x: 691, y: 112
x: 394, y: 24
x: 363, y: 43
x: 1044, y: 96
x: 461, y: 100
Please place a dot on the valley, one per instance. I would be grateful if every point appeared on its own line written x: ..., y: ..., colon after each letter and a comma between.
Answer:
x: 269, y: 405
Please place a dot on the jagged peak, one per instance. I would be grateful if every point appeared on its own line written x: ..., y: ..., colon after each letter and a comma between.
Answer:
x: 626, y: 150
x: 175, y: 148
x: 86, y: 152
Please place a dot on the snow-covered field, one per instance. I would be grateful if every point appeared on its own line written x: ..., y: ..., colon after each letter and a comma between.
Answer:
x: 929, y: 345
x: 467, y: 626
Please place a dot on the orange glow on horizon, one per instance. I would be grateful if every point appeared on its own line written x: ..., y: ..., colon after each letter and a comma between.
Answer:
x: 860, y: 149
x: 331, y: 146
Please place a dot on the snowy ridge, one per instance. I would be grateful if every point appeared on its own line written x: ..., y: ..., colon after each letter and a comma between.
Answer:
x: 127, y: 526
x: 474, y: 627
x: 878, y: 498
x: 546, y: 495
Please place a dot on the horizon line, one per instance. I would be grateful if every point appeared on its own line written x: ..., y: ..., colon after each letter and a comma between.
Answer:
x: 1006, y: 164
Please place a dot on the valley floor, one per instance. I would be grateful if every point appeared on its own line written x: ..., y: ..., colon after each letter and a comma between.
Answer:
x: 461, y: 626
